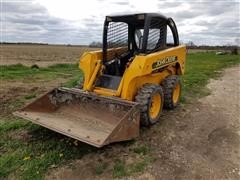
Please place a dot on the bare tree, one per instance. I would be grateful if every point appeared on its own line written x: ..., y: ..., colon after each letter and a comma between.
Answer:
x: 95, y: 44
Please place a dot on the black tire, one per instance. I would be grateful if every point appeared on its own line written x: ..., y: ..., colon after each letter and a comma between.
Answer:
x: 169, y: 84
x: 144, y: 98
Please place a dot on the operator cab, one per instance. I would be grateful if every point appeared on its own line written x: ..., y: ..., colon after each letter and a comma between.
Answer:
x: 125, y: 36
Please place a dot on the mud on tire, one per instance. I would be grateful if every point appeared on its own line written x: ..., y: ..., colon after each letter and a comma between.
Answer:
x: 169, y: 86
x: 144, y: 98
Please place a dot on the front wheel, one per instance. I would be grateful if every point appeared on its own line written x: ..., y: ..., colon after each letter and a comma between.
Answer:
x: 150, y: 98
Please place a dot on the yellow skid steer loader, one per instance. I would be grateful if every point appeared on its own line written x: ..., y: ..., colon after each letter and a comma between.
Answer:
x: 126, y: 84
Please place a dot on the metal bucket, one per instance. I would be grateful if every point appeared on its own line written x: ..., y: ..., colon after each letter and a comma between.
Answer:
x: 87, y: 117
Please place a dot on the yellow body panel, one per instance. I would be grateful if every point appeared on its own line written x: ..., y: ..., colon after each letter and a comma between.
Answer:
x: 150, y: 68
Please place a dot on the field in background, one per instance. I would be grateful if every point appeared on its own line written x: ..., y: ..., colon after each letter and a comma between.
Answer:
x: 42, y: 55
x: 45, y: 55
x: 29, y: 151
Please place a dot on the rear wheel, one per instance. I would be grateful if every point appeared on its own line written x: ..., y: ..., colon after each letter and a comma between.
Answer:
x: 172, y: 91
x: 150, y: 98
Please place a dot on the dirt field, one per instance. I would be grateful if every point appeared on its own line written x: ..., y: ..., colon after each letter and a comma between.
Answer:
x: 42, y: 55
x: 200, y: 140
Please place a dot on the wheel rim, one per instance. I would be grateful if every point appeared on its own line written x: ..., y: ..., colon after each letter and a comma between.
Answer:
x: 155, y: 105
x: 176, y: 93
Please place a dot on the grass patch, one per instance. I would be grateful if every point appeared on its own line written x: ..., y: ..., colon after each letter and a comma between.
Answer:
x: 19, y: 71
x: 143, y: 150
x: 100, y: 167
x: 30, y: 96
x: 6, y: 126
x: 119, y: 169
x: 200, y: 67
x: 73, y: 82
x: 139, y: 166
x: 18, y: 103
x: 30, y: 159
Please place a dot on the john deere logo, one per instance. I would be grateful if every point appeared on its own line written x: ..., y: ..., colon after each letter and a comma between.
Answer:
x: 164, y: 61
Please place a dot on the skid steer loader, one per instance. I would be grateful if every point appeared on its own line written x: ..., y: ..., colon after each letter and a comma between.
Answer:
x: 126, y: 84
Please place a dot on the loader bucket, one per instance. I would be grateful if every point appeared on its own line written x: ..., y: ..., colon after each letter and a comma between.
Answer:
x: 87, y: 117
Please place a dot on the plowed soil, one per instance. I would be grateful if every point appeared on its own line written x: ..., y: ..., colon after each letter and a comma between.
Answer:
x: 41, y: 55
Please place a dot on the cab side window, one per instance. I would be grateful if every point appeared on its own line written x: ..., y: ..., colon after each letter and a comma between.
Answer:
x: 157, y: 35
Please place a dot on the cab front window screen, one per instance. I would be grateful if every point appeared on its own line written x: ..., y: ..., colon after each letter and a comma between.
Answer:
x: 117, y: 35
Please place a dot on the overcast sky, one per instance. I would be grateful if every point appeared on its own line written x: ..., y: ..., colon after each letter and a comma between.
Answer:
x: 80, y: 22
